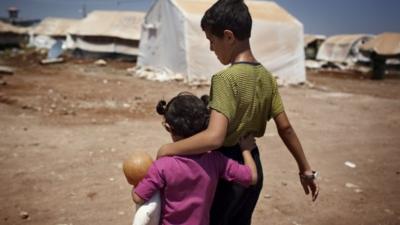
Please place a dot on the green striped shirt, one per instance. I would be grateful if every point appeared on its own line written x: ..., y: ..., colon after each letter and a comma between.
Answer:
x: 247, y: 94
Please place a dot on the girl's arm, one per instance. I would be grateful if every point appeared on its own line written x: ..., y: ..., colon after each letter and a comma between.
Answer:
x: 247, y: 144
x: 138, y: 200
x: 249, y: 161
x: 289, y: 137
x: 210, y: 139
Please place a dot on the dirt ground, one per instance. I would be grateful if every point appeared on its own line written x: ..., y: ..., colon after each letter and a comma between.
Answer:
x: 66, y: 128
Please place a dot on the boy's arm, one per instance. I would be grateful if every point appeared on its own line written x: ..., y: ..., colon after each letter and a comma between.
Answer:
x: 247, y: 145
x: 289, y: 137
x: 210, y: 139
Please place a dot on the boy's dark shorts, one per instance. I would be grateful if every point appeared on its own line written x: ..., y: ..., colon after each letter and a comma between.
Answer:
x: 234, y: 204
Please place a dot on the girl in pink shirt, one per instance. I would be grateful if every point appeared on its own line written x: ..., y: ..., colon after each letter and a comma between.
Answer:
x: 187, y: 184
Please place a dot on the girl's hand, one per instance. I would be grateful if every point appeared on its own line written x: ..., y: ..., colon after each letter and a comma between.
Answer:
x: 136, y: 198
x: 247, y: 142
x: 308, y: 180
x: 133, y: 194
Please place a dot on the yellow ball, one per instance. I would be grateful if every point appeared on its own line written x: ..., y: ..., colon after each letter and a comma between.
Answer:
x: 135, y: 167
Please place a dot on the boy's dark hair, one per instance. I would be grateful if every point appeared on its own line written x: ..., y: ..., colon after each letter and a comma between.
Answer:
x: 186, y: 114
x: 230, y: 15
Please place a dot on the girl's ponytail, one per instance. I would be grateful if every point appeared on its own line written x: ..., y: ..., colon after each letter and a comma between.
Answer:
x: 161, y: 107
x: 205, y: 99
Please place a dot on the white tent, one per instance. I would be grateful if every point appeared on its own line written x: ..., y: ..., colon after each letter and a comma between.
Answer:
x: 173, y: 41
x: 12, y: 35
x: 9, y: 28
x: 107, y: 32
x: 49, y: 30
x: 343, y: 48
x: 385, y: 44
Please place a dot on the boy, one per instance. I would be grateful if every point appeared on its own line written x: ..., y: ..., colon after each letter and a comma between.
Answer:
x: 243, y: 97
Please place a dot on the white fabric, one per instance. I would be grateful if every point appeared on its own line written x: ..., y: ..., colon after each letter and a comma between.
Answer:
x: 112, y: 46
x: 149, y: 212
x: 41, y: 41
x: 172, y: 40
x: 313, y: 64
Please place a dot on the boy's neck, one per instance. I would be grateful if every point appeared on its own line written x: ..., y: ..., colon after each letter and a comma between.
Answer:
x: 242, y: 52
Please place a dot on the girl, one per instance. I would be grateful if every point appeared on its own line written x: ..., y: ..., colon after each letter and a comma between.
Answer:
x: 187, y: 183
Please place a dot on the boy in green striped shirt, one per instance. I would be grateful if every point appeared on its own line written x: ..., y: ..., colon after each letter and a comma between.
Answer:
x: 243, y: 97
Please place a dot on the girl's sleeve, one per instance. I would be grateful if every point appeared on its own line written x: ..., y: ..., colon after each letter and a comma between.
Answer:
x: 222, y: 97
x: 151, y: 183
x: 231, y: 170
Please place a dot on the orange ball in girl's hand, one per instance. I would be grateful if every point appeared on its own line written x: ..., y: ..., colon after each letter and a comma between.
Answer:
x: 135, y: 167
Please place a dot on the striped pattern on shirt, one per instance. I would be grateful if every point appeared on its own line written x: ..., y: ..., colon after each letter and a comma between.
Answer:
x: 247, y: 94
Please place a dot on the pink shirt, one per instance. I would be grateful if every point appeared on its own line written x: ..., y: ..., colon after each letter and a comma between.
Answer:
x: 187, y: 185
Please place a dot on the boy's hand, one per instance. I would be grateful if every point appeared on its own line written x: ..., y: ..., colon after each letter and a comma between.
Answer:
x: 247, y: 142
x: 309, y: 182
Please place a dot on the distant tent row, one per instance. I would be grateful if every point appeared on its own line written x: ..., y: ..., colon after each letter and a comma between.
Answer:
x: 384, y: 51
x: 168, y: 40
x: 101, y: 32
x: 355, y: 51
x: 351, y: 48
x: 107, y: 32
x: 172, y: 40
